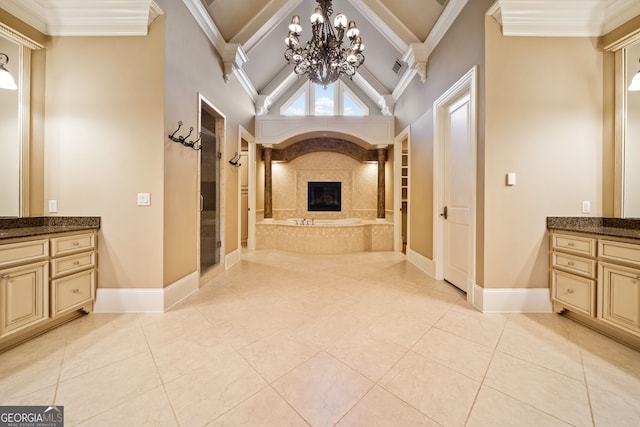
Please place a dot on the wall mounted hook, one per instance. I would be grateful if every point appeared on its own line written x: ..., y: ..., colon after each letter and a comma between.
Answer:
x: 183, y: 139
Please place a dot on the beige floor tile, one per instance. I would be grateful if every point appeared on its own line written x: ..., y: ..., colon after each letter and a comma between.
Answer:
x: 612, y: 409
x: 97, y: 391
x: 162, y: 328
x: 542, y: 344
x: 264, y: 409
x: 483, y: 329
x: 367, y: 353
x: 93, y: 351
x: 323, y: 389
x: 551, y: 392
x: 401, y: 328
x: 275, y: 356
x: 208, y: 392
x: 495, y: 409
x: 379, y: 408
x: 40, y: 397
x: 459, y: 354
x: 31, y: 366
x: 188, y: 353
x: 435, y: 390
x: 151, y: 408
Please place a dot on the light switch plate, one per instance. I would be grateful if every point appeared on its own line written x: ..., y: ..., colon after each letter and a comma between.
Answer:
x: 144, y: 199
x: 511, y: 179
x: 53, y: 206
x: 586, y: 206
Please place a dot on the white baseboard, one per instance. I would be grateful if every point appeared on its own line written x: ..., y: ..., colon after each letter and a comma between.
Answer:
x: 512, y: 300
x: 422, y: 262
x: 232, y: 259
x: 140, y: 300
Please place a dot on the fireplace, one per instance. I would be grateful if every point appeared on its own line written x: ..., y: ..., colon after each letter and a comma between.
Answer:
x: 324, y: 196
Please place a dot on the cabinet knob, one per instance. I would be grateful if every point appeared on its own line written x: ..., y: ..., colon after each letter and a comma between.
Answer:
x: 570, y: 244
x: 569, y: 291
x: 570, y: 264
x: 76, y: 262
x: 76, y: 244
x: 75, y: 291
x: 6, y: 276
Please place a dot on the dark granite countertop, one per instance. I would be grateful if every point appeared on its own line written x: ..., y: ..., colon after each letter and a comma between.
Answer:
x: 614, y: 227
x: 11, y: 228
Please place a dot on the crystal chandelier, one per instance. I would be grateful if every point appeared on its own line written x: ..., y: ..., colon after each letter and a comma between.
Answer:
x: 324, y: 58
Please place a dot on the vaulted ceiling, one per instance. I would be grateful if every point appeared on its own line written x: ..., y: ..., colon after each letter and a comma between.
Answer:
x: 249, y: 34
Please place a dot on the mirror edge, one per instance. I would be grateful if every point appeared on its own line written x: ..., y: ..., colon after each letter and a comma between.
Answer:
x: 26, y: 45
x: 617, y: 41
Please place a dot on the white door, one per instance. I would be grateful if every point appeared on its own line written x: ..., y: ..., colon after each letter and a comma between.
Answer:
x: 457, y: 201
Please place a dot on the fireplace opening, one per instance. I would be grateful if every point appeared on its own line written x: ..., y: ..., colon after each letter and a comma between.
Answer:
x: 324, y: 196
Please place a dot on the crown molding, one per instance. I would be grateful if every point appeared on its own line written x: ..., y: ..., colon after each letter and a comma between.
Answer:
x: 264, y: 22
x: 374, y: 90
x: 86, y: 17
x: 563, y: 18
x: 399, y: 36
x: 444, y: 22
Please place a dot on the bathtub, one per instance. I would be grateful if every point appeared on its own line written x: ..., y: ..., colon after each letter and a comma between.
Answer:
x: 325, y: 236
x: 323, y: 222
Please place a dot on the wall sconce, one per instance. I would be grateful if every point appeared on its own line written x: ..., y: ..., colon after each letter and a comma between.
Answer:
x: 635, y: 82
x: 6, y: 79
x: 183, y: 139
x: 235, y: 160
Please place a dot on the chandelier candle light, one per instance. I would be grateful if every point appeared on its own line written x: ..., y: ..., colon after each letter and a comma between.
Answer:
x: 324, y: 58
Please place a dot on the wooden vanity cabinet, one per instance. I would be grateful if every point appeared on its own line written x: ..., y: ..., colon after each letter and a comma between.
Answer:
x: 45, y: 281
x: 598, y: 277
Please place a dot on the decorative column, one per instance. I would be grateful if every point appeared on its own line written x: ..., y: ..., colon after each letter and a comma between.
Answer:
x: 382, y: 157
x: 268, y: 207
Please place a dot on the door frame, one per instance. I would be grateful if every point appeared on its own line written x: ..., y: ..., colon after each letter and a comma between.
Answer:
x: 467, y: 85
x: 216, y: 269
x: 397, y: 187
x: 251, y: 181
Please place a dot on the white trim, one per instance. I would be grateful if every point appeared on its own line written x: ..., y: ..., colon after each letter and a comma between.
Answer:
x: 180, y: 289
x: 251, y: 203
x: 399, y: 42
x: 465, y: 86
x: 397, y: 188
x: 141, y: 300
x: 444, y: 22
x: 232, y: 258
x: 512, y: 300
x: 202, y: 17
x: 250, y: 38
x: 422, y: 262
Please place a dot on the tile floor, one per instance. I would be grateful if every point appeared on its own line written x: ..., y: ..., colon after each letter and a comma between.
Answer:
x: 351, y: 340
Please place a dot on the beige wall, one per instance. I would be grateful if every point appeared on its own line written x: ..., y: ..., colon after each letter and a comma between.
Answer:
x: 359, y: 186
x: 461, y: 48
x: 192, y: 66
x: 104, y: 143
x: 544, y: 121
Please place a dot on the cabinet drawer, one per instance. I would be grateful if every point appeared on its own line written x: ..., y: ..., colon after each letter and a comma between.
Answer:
x: 574, y: 244
x: 620, y: 251
x: 573, y: 291
x: 574, y: 264
x: 72, y: 244
x: 72, y: 263
x: 13, y: 253
x: 72, y: 291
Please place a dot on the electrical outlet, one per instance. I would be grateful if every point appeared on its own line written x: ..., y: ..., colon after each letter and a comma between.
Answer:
x: 586, y: 206
x: 53, y: 206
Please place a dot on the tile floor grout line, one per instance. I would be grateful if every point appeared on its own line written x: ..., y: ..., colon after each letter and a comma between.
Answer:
x: 486, y: 372
x: 586, y: 387
x: 162, y: 381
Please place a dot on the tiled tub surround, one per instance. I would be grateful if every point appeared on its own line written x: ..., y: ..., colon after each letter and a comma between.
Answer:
x: 324, y: 237
x: 595, y: 273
